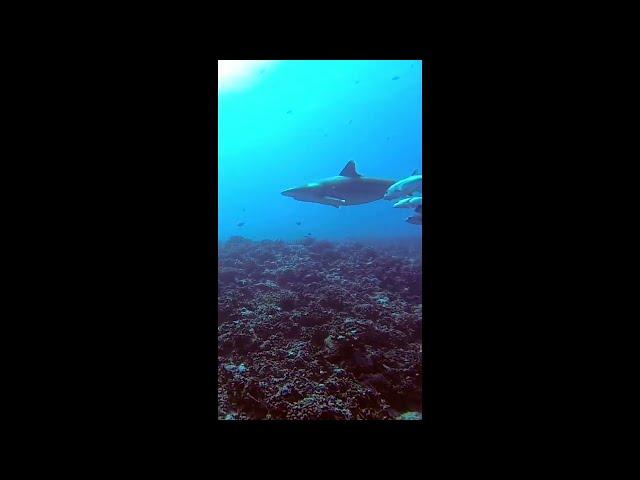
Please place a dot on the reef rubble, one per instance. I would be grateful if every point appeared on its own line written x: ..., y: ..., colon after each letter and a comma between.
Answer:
x: 316, y: 330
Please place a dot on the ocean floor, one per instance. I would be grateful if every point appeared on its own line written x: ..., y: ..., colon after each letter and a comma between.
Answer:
x: 315, y: 330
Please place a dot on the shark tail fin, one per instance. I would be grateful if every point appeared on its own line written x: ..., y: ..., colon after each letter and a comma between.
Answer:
x: 349, y: 170
x: 416, y: 172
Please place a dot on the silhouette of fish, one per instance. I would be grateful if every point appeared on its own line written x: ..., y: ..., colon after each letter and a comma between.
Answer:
x: 241, y: 224
x: 395, y: 78
x: 298, y: 223
x: 290, y: 111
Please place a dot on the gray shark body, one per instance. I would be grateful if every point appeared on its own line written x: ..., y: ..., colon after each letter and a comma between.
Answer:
x: 404, y: 187
x: 415, y: 220
x: 347, y: 188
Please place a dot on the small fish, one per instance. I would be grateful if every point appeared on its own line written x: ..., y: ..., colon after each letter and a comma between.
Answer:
x: 357, y: 81
x: 289, y: 111
x: 241, y: 224
x: 395, y: 78
x: 308, y: 234
x: 298, y: 223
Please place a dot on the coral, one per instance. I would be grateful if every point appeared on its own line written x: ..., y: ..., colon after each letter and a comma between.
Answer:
x: 315, y: 330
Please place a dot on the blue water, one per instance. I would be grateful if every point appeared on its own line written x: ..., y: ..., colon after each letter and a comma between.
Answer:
x: 291, y: 122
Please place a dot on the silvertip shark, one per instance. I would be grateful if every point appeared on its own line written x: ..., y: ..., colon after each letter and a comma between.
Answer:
x: 346, y: 188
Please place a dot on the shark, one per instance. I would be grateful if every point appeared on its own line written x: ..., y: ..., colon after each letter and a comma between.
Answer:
x: 409, y: 202
x: 345, y: 189
x: 405, y: 187
x: 415, y: 220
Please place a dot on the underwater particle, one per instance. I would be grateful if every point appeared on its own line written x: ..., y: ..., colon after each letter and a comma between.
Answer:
x: 241, y: 224
x: 357, y: 81
x: 298, y: 223
x: 326, y: 134
x: 289, y: 111
x: 309, y: 234
x: 395, y: 78
x: 388, y: 138
x: 350, y: 122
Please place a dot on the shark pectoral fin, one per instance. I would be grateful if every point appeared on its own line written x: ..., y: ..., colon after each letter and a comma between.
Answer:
x: 334, y: 201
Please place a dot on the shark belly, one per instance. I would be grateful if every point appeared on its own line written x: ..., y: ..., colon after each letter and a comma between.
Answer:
x: 360, y: 199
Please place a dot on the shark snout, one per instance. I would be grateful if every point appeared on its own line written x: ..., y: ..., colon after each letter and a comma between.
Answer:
x: 289, y: 192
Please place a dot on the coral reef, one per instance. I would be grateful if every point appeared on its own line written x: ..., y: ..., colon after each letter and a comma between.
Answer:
x: 318, y: 330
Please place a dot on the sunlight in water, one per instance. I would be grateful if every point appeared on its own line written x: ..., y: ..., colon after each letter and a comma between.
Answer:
x: 238, y: 74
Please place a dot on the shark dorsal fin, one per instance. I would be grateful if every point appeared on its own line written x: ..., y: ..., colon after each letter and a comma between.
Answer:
x: 415, y: 172
x: 349, y: 170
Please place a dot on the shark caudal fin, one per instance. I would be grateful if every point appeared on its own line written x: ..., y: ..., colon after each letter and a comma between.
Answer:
x: 349, y: 170
x: 416, y: 172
